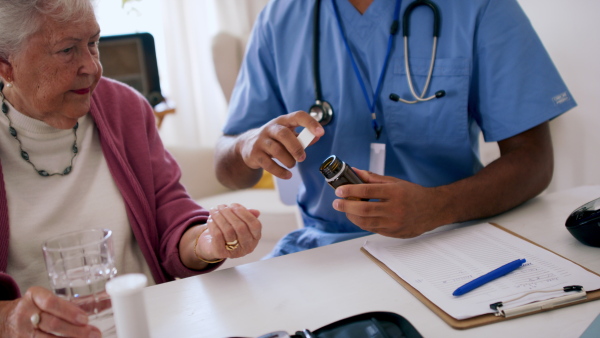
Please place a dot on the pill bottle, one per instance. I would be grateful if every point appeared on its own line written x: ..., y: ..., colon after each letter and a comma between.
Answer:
x: 338, y: 173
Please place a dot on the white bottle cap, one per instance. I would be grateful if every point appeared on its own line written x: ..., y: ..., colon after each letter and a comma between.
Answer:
x: 305, y: 137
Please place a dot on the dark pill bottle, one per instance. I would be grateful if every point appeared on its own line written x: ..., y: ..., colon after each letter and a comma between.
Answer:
x: 338, y: 173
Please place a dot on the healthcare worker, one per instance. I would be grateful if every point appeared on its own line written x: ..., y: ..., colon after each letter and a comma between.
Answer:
x: 420, y: 161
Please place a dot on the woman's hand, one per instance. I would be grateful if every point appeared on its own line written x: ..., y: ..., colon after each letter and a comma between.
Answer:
x: 230, y: 232
x: 39, y: 313
x: 233, y: 231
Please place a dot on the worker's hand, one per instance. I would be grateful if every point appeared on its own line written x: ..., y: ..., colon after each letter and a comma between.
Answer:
x: 39, y: 313
x: 397, y: 208
x: 229, y: 226
x: 277, y: 139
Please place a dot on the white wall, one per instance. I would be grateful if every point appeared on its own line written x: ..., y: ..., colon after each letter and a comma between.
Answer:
x: 569, y: 30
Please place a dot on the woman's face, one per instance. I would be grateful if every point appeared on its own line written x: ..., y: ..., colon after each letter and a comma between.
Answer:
x: 55, y: 73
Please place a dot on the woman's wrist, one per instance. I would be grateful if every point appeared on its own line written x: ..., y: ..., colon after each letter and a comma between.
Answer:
x: 197, y: 249
x: 190, y: 248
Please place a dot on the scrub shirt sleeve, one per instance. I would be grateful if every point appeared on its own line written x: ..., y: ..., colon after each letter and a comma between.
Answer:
x: 256, y: 98
x: 515, y: 83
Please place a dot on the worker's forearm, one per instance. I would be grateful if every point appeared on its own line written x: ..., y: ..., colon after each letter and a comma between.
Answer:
x: 230, y: 168
x: 497, y: 188
x: 521, y: 173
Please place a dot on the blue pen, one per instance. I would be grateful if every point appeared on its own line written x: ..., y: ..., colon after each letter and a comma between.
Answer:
x: 488, y: 277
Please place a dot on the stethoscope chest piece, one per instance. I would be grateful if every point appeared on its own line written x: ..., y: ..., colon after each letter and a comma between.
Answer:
x: 322, y: 112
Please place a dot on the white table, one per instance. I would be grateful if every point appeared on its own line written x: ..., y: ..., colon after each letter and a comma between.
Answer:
x: 316, y: 287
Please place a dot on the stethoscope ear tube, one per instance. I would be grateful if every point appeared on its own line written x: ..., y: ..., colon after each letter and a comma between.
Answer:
x: 321, y: 110
x: 315, y: 56
x: 396, y: 98
x: 405, y: 34
x: 408, y: 13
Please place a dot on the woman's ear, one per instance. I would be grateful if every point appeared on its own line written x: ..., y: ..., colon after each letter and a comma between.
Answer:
x: 5, y: 70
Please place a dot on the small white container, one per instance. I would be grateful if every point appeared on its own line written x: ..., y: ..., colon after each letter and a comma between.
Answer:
x: 128, y: 305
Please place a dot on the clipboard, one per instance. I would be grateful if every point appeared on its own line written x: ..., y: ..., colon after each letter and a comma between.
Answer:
x: 486, y: 318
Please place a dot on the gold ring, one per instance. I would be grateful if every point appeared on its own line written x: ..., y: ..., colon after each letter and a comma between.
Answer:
x: 232, y: 247
x: 35, y: 320
x: 232, y: 243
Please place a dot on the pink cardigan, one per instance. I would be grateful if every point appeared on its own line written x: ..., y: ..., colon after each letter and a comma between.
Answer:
x: 158, y: 207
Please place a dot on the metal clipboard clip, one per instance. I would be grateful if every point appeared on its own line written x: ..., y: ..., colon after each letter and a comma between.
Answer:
x: 578, y: 294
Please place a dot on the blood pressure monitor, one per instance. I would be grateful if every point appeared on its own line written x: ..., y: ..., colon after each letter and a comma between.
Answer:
x: 584, y: 223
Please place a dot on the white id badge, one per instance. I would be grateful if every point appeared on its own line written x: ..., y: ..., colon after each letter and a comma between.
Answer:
x: 377, y: 158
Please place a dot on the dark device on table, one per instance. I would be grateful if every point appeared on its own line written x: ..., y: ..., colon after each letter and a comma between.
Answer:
x: 371, y: 324
x: 338, y: 173
x: 584, y: 223
x: 131, y: 58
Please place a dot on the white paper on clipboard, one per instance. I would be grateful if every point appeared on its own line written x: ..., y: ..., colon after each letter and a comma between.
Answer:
x: 436, y: 264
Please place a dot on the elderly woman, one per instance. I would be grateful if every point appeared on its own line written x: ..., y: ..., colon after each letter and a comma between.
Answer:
x: 81, y: 151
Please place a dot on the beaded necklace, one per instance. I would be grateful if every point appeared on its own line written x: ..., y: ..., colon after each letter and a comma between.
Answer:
x: 25, y: 155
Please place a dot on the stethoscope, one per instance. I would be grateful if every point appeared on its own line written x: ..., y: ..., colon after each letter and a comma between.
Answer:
x: 322, y: 110
x: 405, y: 33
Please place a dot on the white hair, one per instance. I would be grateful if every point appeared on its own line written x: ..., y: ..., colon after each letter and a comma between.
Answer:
x: 19, y: 19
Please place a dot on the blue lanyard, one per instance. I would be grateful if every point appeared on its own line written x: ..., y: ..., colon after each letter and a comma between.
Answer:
x: 393, y: 31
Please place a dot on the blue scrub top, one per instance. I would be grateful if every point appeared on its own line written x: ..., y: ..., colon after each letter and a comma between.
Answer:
x: 497, y: 76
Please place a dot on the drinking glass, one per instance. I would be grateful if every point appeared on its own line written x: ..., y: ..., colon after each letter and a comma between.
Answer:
x: 79, y: 265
